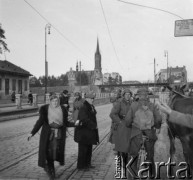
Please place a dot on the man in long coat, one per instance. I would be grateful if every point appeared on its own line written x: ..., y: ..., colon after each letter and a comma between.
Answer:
x: 122, y: 133
x: 86, y: 133
x: 114, y: 100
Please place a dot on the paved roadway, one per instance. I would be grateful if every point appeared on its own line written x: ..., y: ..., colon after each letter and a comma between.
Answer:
x: 18, y: 157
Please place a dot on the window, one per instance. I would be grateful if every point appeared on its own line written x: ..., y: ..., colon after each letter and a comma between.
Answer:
x: 0, y: 84
x: 25, y: 85
x: 14, y: 84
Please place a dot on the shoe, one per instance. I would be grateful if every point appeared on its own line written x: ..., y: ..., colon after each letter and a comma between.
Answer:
x: 91, y: 166
x: 83, y: 169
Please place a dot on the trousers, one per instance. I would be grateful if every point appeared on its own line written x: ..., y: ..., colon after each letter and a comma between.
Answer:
x: 84, y: 155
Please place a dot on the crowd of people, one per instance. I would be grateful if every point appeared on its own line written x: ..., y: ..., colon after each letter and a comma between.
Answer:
x: 133, y: 118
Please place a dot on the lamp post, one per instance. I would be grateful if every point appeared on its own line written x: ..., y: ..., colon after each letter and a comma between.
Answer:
x: 47, y: 31
x: 166, y: 55
x: 80, y: 76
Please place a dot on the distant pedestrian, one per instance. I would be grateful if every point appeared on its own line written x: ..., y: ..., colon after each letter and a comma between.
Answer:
x: 13, y: 96
x: 53, y: 120
x: 86, y: 132
x: 64, y: 98
x: 30, y: 98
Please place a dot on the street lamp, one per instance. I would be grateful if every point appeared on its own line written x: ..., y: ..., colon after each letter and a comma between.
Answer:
x: 47, y: 31
x: 166, y: 55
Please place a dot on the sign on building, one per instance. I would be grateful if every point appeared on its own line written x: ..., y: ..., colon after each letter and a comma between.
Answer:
x: 183, y: 28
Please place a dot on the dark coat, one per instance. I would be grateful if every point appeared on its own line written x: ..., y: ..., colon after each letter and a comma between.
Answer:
x: 87, y: 131
x: 121, y: 133
x: 76, y: 107
x: 64, y: 100
x: 45, y: 134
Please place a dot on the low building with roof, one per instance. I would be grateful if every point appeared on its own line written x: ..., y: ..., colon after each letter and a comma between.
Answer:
x: 13, y: 78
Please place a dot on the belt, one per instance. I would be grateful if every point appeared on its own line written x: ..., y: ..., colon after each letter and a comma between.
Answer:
x: 55, y: 133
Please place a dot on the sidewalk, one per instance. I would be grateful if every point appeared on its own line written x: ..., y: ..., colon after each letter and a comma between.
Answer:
x: 10, y: 113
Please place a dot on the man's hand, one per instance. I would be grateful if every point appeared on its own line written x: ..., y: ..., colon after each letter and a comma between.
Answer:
x: 77, y: 122
x: 29, y: 137
x: 164, y: 108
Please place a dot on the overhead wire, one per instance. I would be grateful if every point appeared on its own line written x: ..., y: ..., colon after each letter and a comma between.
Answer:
x: 134, y: 4
x: 47, y: 21
x: 110, y: 34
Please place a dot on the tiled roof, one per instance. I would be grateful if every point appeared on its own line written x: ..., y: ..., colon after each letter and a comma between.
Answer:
x: 8, y: 67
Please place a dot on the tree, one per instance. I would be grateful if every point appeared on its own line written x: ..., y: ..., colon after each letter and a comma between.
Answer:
x: 82, y: 78
x: 34, y: 82
x: 2, y: 42
x: 64, y: 80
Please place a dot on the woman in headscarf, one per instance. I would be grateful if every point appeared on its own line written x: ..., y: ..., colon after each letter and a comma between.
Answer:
x: 53, y: 119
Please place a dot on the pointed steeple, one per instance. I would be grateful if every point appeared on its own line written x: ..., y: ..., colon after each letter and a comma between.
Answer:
x: 97, y: 49
x: 98, y: 58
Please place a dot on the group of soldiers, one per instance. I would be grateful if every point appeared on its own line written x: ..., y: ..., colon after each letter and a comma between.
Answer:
x: 133, y: 118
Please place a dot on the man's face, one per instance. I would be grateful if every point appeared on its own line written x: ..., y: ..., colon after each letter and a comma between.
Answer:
x: 77, y: 96
x: 127, y: 96
x: 89, y: 100
x: 143, y: 98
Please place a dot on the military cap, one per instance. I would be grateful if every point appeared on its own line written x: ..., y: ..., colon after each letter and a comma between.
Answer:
x: 142, y: 91
x: 90, y: 95
x: 126, y: 91
x: 65, y: 91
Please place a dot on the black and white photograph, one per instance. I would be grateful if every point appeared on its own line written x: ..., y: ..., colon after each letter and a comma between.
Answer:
x: 96, y: 89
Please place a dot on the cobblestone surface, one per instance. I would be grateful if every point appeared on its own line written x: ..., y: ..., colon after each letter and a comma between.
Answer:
x: 15, y: 146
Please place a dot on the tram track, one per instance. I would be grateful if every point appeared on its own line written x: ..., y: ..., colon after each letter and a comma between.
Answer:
x: 34, y: 151
x: 70, y: 176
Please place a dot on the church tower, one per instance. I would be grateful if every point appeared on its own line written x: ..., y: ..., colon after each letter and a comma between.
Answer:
x: 98, y: 77
x: 98, y: 59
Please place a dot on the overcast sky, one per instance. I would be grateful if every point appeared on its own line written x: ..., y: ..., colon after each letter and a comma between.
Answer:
x: 139, y: 34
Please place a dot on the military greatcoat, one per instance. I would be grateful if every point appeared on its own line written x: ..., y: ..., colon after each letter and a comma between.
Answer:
x: 121, y: 133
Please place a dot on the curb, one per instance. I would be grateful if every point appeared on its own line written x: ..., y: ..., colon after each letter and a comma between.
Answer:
x: 8, y: 118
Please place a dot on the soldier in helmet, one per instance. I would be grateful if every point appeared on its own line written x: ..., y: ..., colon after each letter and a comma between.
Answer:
x: 115, y: 97
x: 144, y: 118
x: 122, y: 132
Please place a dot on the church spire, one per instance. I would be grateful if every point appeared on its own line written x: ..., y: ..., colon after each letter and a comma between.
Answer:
x: 97, y: 50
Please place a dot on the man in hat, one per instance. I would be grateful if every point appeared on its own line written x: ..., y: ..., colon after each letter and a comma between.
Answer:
x: 144, y: 118
x: 64, y: 98
x: 121, y: 133
x: 78, y: 102
x: 86, y: 132
x: 114, y: 98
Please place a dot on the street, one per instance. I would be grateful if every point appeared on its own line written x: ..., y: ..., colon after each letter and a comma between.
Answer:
x: 18, y: 157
